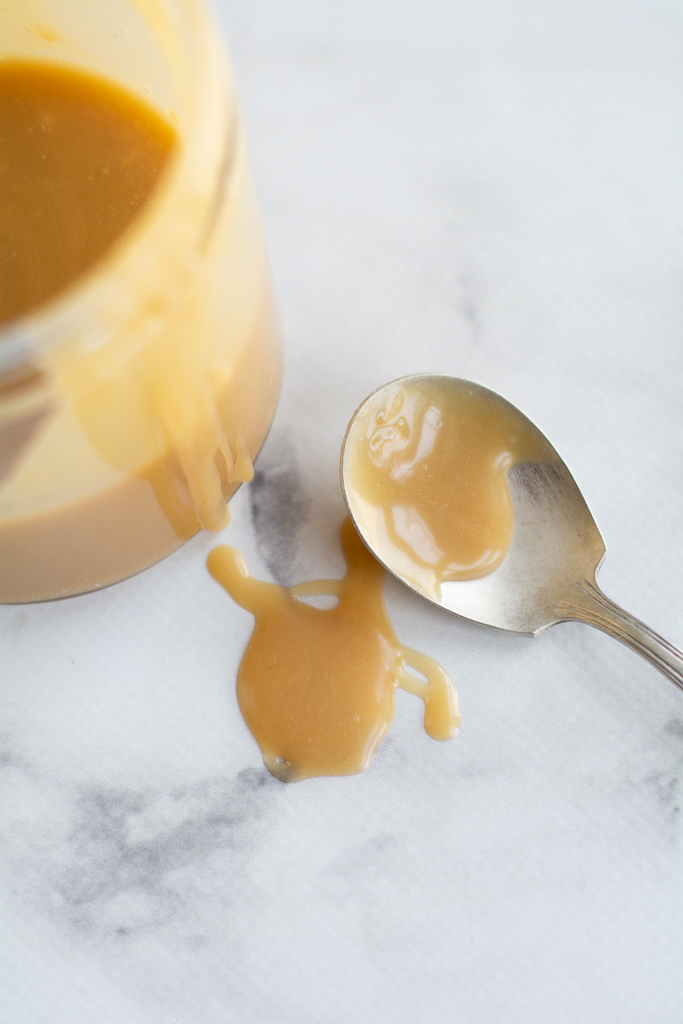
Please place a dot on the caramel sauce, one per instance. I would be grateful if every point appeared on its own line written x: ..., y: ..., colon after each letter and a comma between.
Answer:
x: 145, y: 437
x: 316, y: 686
x: 116, y: 530
x: 79, y: 158
x: 427, y: 462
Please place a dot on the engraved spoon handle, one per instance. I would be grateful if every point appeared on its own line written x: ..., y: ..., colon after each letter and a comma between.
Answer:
x: 587, y: 603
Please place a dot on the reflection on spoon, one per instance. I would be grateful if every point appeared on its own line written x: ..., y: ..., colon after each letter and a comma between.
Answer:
x: 461, y: 496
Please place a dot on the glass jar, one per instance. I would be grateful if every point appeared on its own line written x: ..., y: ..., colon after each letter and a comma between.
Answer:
x: 132, y: 405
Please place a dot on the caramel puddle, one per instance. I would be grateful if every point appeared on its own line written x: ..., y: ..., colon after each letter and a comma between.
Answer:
x: 316, y: 686
x: 428, y: 463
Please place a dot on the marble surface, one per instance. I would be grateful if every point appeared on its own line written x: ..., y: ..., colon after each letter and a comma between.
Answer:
x: 490, y: 189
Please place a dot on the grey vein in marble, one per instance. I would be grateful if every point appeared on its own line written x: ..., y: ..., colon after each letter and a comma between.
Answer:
x: 120, y: 861
x: 278, y: 506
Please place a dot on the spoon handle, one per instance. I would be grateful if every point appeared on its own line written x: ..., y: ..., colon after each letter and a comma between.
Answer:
x: 588, y: 604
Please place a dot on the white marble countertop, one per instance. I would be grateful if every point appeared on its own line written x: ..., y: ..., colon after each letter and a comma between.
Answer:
x: 489, y: 188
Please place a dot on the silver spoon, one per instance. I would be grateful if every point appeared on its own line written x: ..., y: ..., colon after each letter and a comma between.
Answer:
x: 548, y: 575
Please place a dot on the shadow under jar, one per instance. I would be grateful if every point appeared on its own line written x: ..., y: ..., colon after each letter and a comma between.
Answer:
x: 134, y: 395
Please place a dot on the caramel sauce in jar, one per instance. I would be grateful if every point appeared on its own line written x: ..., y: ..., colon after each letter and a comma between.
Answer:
x: 140, y: 355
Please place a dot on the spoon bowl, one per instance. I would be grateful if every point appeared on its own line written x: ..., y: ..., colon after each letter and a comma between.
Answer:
x: 548, y: 574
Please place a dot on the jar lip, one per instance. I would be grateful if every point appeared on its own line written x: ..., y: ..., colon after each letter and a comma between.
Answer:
x: 69, y: 318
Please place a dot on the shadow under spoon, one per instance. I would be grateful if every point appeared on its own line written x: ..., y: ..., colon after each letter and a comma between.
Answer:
x: 548, y: 574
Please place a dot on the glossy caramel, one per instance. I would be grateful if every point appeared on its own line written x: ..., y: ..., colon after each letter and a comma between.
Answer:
x: 316, y: 686
x: 427, y: 462
x: 79, y: 158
